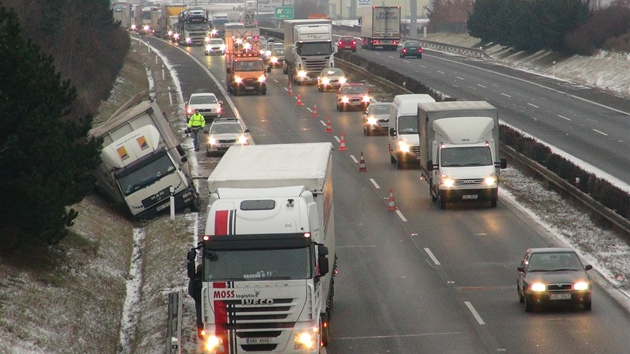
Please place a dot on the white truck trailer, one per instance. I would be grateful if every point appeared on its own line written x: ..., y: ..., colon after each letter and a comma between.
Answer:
x: 308, y: 48
x: 142, y: 161
x: 380, y: 27
x: 268, y: 253
x: 459, y: 150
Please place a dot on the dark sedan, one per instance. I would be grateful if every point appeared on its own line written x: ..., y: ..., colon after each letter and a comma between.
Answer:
x: 411, y: 49
x: 550, y: 276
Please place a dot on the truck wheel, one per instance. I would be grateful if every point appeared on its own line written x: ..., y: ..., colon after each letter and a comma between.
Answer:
x: 399, y: 164
x: 235, y: 91
x: 441, y: 202
x: 264, y: 91
x: 391, y: 158
x: 493, y: 202
x: 195, y: 207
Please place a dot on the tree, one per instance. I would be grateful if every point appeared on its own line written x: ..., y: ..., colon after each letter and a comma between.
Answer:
x: 46, y: 162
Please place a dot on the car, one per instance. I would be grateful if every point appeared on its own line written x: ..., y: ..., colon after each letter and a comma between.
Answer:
x: 411, y: 49
x: 225, y: 133
x: 376, y: 118
x: 548, y: 276
x: 207, y: 104
x: 215, y: 46
x: 330, y: 78
x: 347, y: 43
x: 269, y: 48
x: 353, y: 95
x: 276, y: 58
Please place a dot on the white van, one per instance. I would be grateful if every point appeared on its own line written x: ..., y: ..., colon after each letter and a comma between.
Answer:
x: 404, y: 145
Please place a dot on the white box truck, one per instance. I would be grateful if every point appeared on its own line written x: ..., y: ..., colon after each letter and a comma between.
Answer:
x: 380, y: 27
x: 459, y: 150
x: 404, y: 146
x: 142, y: 160
x: 268, y: 254
x: 308, y: 49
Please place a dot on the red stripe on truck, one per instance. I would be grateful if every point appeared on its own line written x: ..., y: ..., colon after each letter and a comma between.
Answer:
x: 221, y: 222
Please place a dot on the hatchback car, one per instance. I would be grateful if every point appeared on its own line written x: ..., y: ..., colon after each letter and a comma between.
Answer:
x: 224, y: 133
x: 207, y: 104
x: 347, y: 43
x: 411, y: 49
x: 376, y: 118
x: 353, y: 95
x: 215, y: 46
x: 330, y: 78
x: 550, y: 276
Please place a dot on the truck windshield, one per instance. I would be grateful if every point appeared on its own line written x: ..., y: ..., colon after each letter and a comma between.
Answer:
x: 317, y: 48
x: 146, y: 173
x: 466, y: 156
x: 275, y: 264
x: 407, y: 125
x: 196, y: 26
x: 248, y: 65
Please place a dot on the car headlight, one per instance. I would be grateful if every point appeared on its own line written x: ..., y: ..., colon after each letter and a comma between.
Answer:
x: 262, y: 78
x: 208, y: 48
x: 268, y: 53
x: 538, y: 287
x: 402, y: 146
x: 301, y: 73
x: 237, y: 79
x: 219, y: 109
x: 342, y: 80
x: 371, y: 121
x: 325, y: 81
x: 305, y: 339
x: 212, y: 343
x: 274, y: 60
x: 345, y: 99
x: 212, y: 140
x: 242, y: 140
x: 366, y: 98
x: 581, y: 285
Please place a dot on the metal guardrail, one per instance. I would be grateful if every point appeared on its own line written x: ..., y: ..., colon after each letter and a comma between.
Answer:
x: 576, y: 194
x: 174, y: 323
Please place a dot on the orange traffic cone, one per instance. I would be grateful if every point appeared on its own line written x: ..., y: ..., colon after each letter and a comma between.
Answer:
x: 299, y: 101
x: 392, y: 204
x: 315, y: 110
x: 342, y: 143
x: 328, y: 127
x: 362, y: 164
x: 290, y: 89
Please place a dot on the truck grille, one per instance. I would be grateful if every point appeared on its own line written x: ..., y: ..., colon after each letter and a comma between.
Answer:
x: 469, y: 182
x: 415, y: 150
x: 315, y: 64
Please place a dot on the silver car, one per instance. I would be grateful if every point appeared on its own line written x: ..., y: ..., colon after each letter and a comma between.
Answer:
x: 330, y: 79
x: 376, y: 118
x: 207, y: 104
x: 225, y: 133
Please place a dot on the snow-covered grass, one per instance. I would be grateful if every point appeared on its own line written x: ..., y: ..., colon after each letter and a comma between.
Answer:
x: 104, y: 288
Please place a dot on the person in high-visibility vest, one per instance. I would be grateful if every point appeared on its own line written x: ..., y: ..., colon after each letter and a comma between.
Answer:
x: 196, y: 123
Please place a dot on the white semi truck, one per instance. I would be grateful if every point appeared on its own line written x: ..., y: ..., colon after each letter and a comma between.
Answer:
x: 380, y: 27
x: 268, y: 254
x: 308, y: 48
x: 459, y: 150
x: 142, y: 161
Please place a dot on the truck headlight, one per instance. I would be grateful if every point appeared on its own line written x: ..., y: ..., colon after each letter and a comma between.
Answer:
x: 538, y: 287
x: 301, y: 73
x: 188, y: 40
x: 237, y: 79
x: 262, y: 78
x: 274, y: 60
x: 402, y: 146
x: 447, y: 181
x: 490, y: 180
x: 207, y: 39
x: 305, y: 339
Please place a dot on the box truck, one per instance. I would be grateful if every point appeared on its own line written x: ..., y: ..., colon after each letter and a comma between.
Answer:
x: 459, y: 150
x: 268, y: 253
x: 403, y: 146
x: 380, y: 27
x: 142, y: 162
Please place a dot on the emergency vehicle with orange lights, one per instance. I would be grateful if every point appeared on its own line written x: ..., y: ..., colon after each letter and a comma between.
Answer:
x: 245, y: 72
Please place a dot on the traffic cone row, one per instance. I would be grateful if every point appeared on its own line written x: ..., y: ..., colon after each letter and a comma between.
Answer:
x: 362, y: 164
x: 391, y: 206
x: 315, y: 110
x: 290, y: 89
x: 299, y: 101
x: 328, y: 127
x: 342, y: 143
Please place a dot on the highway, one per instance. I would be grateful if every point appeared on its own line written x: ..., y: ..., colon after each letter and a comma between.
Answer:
x: 422, y: 279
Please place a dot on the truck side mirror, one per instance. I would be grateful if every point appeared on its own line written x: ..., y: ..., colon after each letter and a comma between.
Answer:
x: 322, y: 260
x: 392, y: 131
x: 430, y: 165
x: 503, y: 163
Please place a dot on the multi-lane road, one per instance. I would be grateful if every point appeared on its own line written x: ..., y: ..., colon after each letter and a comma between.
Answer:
x: 423, y: 279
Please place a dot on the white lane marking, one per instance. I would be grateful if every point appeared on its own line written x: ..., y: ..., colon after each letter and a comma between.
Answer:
x: 435, y: 261
x: 599, y: 131
x: 563, y: 117
x: 461, y: 78
x: 441, y: 72
x: 474, y: 312
x: 506, y: 95
x: 354, y: 159
x: 400, y: 215
x: 323, y: 123
x: 533, y: 105
x: 480, y: 85
x: 375, y: 184
x: 337, y: 138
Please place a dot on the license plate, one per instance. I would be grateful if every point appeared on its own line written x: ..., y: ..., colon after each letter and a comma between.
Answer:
x: 560, y: 297
x: 261, y: 340
x: 469, y: 196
